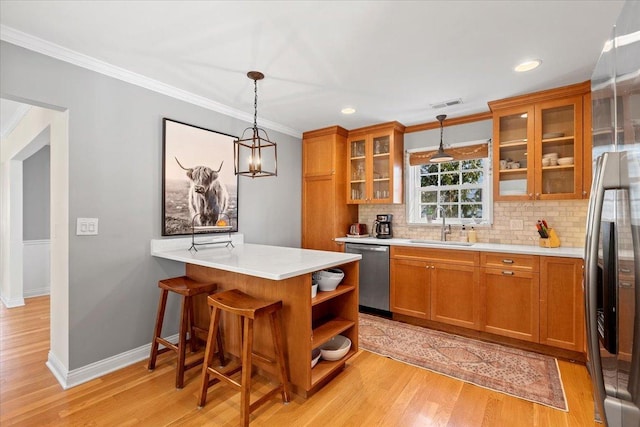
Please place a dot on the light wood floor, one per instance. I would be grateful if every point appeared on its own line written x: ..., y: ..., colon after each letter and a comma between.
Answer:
x: 371, y: 391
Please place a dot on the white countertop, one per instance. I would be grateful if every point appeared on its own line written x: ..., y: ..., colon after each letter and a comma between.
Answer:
x: 269, y: 262
x: 482, y: 247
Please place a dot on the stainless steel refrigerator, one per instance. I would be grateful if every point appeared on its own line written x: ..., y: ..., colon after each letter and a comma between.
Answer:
x: 612, y: 247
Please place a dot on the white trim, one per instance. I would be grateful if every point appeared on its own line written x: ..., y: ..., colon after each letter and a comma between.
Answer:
x: 44, y: 47
x: 68, y: 379
x: 13, y: 302
x: 38, y: 292
x: 36, y: 242
x: 13, y: 121
x: 57, y: 369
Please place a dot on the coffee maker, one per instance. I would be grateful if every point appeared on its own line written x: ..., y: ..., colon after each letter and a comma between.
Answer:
x: 382, y: 226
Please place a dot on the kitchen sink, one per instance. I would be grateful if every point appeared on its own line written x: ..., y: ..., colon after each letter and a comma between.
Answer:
x: 439, y: 242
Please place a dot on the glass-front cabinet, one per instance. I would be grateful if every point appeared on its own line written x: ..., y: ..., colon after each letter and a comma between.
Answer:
x: 538, y: 150
x: 374, y: 169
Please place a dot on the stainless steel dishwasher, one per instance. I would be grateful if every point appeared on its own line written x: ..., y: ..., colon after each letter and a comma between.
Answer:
x: 374, y: 275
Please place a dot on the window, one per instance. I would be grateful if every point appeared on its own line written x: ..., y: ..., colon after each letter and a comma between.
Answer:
x: 462, y: 189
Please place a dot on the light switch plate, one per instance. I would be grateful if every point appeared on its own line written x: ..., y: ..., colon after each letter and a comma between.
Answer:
x: 87, y: 227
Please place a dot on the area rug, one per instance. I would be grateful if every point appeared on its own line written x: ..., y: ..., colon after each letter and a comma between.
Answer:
x: 525, y: 375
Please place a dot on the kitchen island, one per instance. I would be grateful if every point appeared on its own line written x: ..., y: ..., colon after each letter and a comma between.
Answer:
x: 278, y: 273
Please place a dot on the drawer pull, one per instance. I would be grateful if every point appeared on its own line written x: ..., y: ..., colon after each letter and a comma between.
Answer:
x: 625, y: 285
x: 507, y: 261
x: 625, y: 270
x: 508, y: 273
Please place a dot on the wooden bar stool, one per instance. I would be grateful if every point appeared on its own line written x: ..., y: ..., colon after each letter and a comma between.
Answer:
x: 247, y: 307
x: 187, y: 288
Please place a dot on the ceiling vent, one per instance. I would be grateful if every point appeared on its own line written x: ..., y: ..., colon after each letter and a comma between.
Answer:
x: 447, y: 103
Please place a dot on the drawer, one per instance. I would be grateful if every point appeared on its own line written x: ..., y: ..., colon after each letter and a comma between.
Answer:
x: 510, y: 261
x: 471, y: 258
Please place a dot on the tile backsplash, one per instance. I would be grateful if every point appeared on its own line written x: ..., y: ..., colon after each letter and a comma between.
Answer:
x: 567, y: 217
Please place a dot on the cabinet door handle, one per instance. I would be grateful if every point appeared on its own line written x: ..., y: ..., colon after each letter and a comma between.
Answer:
x: 537, y: 195
x: 507, y: 261
x: 625, y: 285
x: 507, y: 273
x: 625, y: 270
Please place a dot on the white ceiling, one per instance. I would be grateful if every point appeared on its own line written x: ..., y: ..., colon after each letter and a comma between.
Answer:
x: 388, y: 59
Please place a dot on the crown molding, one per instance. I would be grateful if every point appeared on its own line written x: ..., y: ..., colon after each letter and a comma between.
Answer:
x: 53, y: 50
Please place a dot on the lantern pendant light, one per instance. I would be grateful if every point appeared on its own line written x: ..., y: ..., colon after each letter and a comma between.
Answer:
x: 441, y: 155
x: 255, y: 156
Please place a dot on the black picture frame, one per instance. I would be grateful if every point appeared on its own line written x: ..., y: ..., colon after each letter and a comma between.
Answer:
x: 199, y: 186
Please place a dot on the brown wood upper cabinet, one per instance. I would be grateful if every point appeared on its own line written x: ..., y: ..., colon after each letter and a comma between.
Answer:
x: 325, y: 213
x: 528, y: 128
x: 375, y: 164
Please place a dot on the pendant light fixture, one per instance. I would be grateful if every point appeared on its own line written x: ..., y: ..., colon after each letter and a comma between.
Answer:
x: 441, y: 155
x: 255, y: 156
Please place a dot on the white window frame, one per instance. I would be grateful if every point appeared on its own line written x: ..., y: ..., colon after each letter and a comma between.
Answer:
x: 413, y: 192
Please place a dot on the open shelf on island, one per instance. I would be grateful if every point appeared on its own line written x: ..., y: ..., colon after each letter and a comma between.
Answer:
x: 325, y: 368
x: 323, y: 296
x: 328, y: 330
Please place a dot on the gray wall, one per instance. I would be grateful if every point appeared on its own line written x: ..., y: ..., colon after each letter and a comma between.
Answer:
x: 115, y: 152
x: 35, y: 188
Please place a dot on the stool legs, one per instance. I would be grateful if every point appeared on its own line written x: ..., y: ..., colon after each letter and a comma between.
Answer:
x: 182, y: 340
x: 187, y: 324
x: 157, y: 332
x: 246, y: 330
x: 245, y: 391
x: 276, y: 332
x: 208, y: 355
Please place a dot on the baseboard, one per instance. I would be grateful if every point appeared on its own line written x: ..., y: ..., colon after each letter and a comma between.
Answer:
x: 69, y: 379
x: 57, y: 369
x: 37, y: 292
x: 14, y: 302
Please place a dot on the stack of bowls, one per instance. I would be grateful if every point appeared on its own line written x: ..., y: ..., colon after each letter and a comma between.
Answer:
x: 565, y: 161
x: 328, y: 280
x: 550, y: 159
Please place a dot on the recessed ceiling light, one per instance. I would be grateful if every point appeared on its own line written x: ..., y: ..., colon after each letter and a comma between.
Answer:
x: 528, y: 65
x: 348, y: 110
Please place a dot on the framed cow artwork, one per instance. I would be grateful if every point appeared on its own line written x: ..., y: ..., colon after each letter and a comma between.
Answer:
x: 199, y: 187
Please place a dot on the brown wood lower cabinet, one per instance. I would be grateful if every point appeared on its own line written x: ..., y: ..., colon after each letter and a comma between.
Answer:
x: 410, y: 288
x: 561, y: 303
x: 440, y: 285
x: 531, y: 298
x: 455, y: 295
x: 511, y: 303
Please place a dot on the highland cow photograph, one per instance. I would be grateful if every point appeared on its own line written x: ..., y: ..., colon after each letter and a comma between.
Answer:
x: 200, y: 189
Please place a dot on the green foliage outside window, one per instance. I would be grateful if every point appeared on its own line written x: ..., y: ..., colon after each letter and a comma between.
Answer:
x: 456, y: 186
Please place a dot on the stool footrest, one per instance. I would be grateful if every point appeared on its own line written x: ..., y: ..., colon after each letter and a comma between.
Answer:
x: 265, y: 397
x: 264, y: 359
x: 167, y: 344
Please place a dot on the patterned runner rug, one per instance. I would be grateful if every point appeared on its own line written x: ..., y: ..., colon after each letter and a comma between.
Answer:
x: 530, y: 376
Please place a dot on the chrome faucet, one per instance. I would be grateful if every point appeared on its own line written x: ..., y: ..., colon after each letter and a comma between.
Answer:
x: 445, y: 230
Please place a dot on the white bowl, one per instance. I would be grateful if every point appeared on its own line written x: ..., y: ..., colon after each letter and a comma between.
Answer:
x: 328, y: 280
x: 314, y: 290
x: 315, y: 356
x: 546, y: 161
x: 550, y: 155
x: 565, y: 161
x: 335, y: 348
